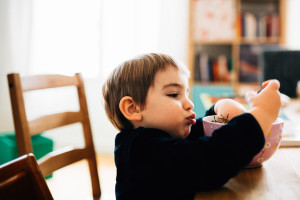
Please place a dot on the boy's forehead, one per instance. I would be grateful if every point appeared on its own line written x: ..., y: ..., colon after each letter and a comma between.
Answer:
x: 170, y: 76
x: 169, y: 69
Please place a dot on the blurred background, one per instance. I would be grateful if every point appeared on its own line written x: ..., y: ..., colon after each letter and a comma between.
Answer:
x: 93, y: 37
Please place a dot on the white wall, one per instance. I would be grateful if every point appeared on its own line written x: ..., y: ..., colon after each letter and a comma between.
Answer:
x: 292, y: 25
x: 5, y: 66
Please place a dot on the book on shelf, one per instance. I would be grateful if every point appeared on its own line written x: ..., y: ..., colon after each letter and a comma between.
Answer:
x: 250, y: 26
x: 204, y: 68
x: 275, y: 26
x: 259, y: 25
x: 249, y: 66
x: 223, y: 69
x: 262, y: 28
x: 208, y: 69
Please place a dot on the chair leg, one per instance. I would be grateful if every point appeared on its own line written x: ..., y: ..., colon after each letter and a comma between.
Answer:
x: 95, y: 179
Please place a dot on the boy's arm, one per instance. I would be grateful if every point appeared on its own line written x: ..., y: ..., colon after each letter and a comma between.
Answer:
x: 228, y: 108
x: 205, y: 162
x: 265, y: 105
x: 232, y: 147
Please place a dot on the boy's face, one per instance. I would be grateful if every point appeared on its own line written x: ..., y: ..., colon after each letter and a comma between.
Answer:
x: 168, y: 107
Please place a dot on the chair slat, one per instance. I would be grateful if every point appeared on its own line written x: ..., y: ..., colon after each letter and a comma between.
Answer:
x: 11, y: 180
x: 47, y: 81
x: 53, y: 121
x: 61, y: 158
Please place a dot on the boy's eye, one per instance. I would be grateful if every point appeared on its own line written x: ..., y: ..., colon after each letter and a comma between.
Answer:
x: 173, y: 95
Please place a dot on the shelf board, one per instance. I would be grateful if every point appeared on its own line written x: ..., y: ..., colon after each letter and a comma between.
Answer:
x: 214, y: 42
x: 263, y: 40
x: 274, y: 40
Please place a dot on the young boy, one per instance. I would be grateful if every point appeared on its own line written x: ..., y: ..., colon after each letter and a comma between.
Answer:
x: 160, y: 152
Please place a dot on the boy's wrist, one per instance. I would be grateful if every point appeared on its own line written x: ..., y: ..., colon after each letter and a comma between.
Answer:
x: 264, y: 120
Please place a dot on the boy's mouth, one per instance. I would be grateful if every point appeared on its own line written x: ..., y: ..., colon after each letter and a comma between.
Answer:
x: 192, y: 119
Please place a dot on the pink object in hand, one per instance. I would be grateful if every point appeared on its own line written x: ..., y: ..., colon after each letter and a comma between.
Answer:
x: 273, y: 139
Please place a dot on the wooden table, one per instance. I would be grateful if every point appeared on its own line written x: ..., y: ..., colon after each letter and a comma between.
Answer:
x: 279, y: 178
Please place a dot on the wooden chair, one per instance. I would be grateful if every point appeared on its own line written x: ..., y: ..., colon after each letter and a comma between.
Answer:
x: 25, y: 129
x: 21, y: 178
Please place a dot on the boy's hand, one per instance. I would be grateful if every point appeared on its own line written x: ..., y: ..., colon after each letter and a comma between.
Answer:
x: 228, y: 107
x: 265, y: 105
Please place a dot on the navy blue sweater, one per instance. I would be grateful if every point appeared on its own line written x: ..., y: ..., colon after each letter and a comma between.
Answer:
x: 153, y: 165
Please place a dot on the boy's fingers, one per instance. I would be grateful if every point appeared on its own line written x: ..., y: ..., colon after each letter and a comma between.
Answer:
x: 265, y: 83
x: 272, y: 84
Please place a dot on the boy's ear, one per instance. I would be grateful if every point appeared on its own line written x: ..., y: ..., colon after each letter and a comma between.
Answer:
x: 130, y: 109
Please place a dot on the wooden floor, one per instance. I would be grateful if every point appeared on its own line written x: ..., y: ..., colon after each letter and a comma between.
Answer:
x: 73, y: 182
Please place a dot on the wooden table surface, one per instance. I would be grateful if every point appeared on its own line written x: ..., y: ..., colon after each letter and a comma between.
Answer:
x: 278, y: 178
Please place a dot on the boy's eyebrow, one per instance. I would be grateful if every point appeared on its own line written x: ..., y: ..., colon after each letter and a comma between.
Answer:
x: 174, y: 85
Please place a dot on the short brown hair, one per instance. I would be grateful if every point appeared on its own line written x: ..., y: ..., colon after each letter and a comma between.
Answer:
x: 133, y: 78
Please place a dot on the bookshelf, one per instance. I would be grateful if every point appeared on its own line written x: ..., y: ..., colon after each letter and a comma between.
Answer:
x: 226, y: 38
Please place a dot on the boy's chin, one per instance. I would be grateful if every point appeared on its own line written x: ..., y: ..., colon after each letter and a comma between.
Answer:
x: 186, y: 135
x: 187, y: 132
x: 180, y: 135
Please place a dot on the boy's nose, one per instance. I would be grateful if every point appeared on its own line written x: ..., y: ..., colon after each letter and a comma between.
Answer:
x: 188, y: 104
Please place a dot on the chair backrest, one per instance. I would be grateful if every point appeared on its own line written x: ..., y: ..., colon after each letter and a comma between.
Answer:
x: 25, y: 129
x: 21, y: 178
